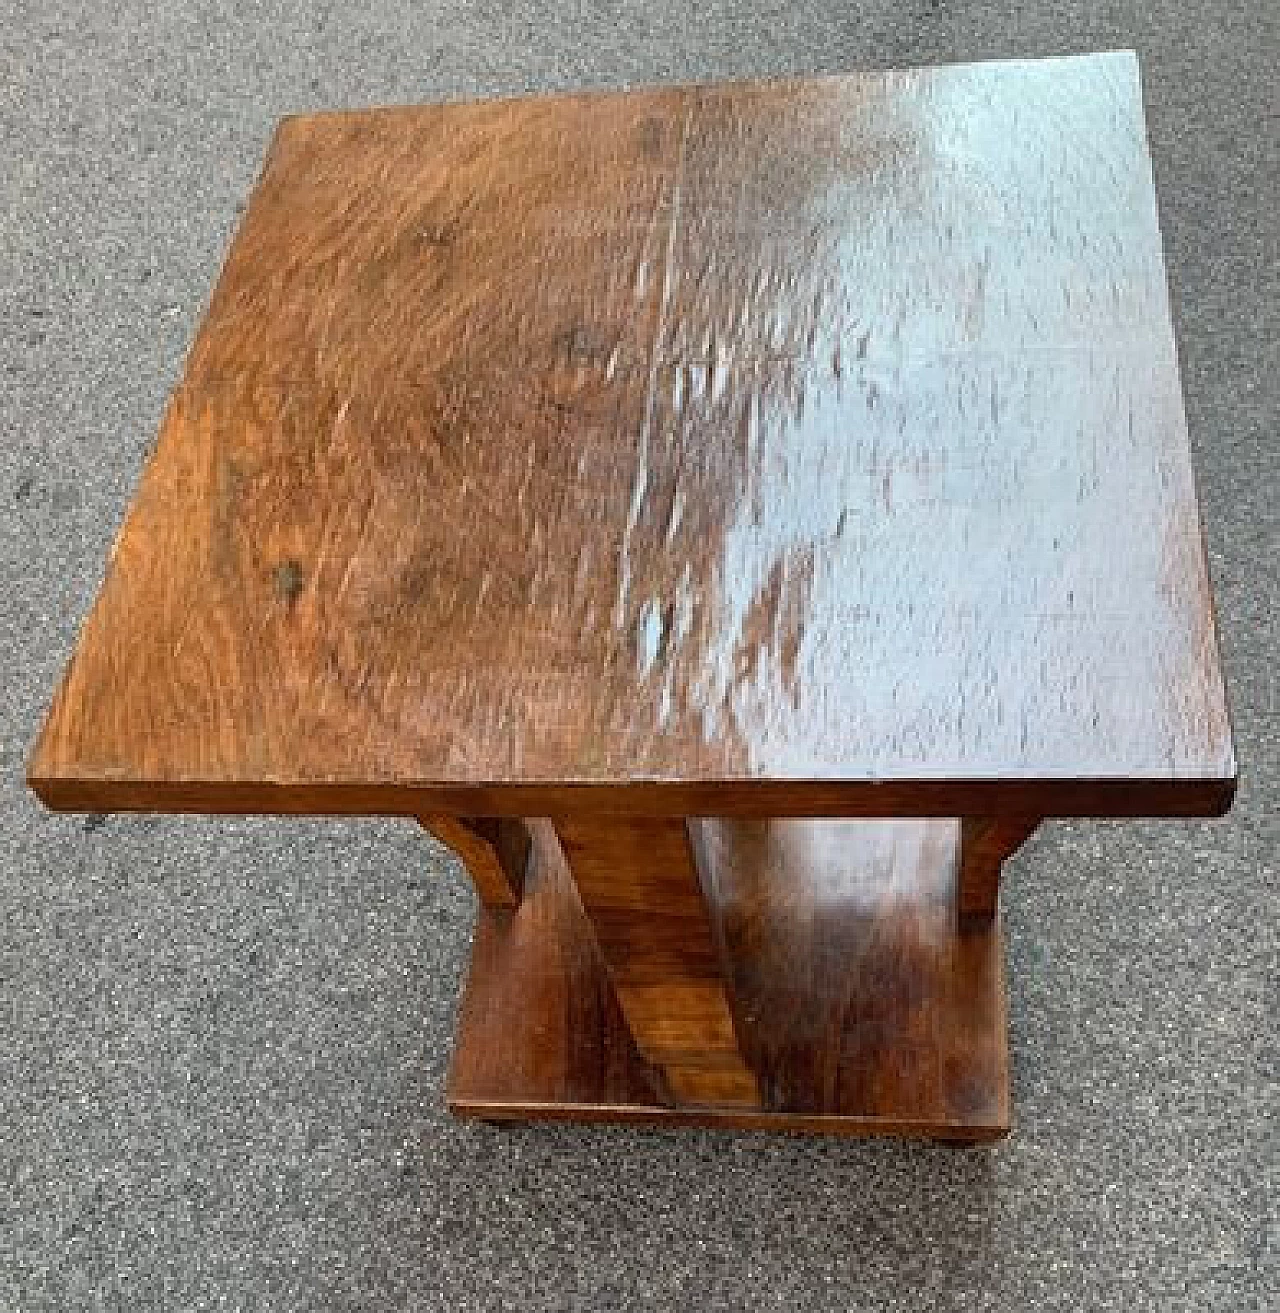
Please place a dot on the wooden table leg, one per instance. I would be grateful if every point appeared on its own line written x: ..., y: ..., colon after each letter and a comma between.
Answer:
x: 986, y: 842
x: 495, y: 852
x: 808, y: 975
x: 639, y: 886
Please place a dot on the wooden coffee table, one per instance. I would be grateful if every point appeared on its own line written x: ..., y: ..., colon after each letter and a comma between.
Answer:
x: 782, y: 489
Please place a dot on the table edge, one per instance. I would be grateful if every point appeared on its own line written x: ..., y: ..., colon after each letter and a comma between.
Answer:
x: 1207, y: 795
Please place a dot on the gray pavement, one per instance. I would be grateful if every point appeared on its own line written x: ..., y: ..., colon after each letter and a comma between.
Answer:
x: 222, y: 1043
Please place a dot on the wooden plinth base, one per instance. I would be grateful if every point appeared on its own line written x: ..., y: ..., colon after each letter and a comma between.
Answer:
x: 861, y: 1003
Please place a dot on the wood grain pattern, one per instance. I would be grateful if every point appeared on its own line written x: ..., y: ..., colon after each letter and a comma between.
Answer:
x: 495, y: 852
x: 986, y: 842
x: 539, y: 1014
x: 862, y: 1004
x: 810, y: 446
x: 639, y: 887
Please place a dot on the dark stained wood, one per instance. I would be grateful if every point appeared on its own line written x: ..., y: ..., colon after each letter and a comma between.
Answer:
x: 539, y: 1014
x: 809, y: 446
x: 862, y: 1004
x: 985, y: 844
x: 639, y: 886
x: 652, y: 798
x: 494, y: 850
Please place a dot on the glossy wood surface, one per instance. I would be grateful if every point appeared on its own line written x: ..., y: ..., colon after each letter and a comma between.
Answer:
x: 862, y: 1005
x: 640, y: 889
x: 810, y: 446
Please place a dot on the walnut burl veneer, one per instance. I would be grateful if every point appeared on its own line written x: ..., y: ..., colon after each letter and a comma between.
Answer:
x: 692, y: 467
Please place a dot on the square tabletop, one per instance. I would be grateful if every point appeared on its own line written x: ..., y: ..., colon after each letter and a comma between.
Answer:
x: 809, y: 446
